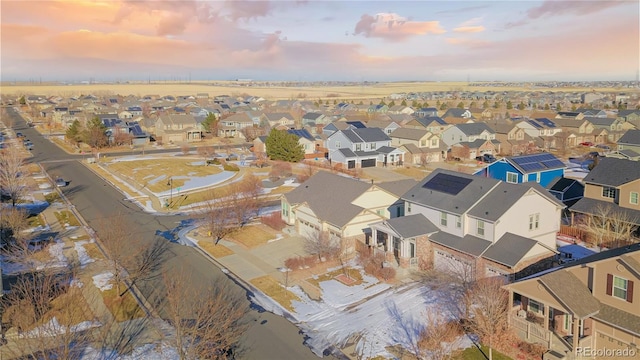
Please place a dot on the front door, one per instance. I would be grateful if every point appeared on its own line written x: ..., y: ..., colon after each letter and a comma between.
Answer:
x: 396, y: 248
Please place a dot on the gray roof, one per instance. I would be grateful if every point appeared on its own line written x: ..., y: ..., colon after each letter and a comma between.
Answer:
x: 336, y: 208
x: 347, y: 152
x: 571, y: 292
x: 397, y: 187
x: 632, y: 263
x: 601, y: 122
x: 590, y: 206
x: 408, y: 133
x: 311, y: 116
x: 475, y: 144
x: 619, y: 318
x: 468, y: 244
x: 360, y: 135
x: 631, y: 137
x: 385, y: 149
x: 498, y: 201
x: 455, y: 204
x: 411, y: 226
x: 474, y: 128
x: 628, y: 153
x: 510, y: 249
x: 613, y: 172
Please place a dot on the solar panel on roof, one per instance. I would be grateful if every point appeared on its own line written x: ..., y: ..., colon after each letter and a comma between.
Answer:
x: 532, y: 167
x: 553, y: 163
x: 449, y: 184
x: 535, y: 124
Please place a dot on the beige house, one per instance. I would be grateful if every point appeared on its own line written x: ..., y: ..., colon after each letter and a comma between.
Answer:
x: 352, y: 206
x: 278, y: 120
x: 420, y: 145
x: 178, y: 128
x: 230, y: 127
x: 585, y: 308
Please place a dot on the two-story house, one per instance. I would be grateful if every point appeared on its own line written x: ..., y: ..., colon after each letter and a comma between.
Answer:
x: 352, y: 205
x: 514, y: 140
x: 279, y: 120
x: 178, y: 128
x: 584, y: 309
x: 433, y: 124
x: 426, y: 112
x: 231, y: 125
x: 388, y: 126
x: 420, y: 146
x: 611, y: 187
x: 575, y: 131
x: 362, y: 147
x: 459, y: 221
x: 314, y: 119
x: 628, y: 146
x: 541, y: 168
x: 309, y: 143
x: 467, y: 133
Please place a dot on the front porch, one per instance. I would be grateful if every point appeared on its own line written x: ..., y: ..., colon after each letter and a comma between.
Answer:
x: 541, y: 323
x: 399, y: 252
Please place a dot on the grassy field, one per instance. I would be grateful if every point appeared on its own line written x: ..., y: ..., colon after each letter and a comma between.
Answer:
x: 147, y: 172
x: 217, y: 251
x: 378, y: 90
x: 253, y: 236
x: 66, y: 217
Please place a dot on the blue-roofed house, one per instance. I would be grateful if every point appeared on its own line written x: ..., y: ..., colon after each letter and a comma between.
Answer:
x: 541, y: 168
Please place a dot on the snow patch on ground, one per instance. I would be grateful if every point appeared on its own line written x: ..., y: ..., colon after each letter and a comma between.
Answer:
x: 83, y: 256
x: 103, y: 281
x: 53, y: 328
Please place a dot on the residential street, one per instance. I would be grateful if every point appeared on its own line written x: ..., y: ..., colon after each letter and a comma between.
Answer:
x: 269, y: 336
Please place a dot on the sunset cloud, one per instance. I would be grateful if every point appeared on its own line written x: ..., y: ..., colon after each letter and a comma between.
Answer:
x: 555, y: 7
x: 395, y: 27
x: 469, y: 29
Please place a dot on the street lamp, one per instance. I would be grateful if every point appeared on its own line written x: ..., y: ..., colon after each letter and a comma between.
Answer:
x: 170, y: 183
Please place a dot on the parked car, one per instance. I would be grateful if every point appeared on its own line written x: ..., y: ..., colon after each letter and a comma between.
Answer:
x: 586, y: 143
x: 603, y: 147
x: 487, y: 158
x: 19, y: 135
x: 60, y: 182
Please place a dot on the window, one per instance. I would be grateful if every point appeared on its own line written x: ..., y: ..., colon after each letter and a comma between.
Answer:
x: 408, y: 208
x: 443, y: 218
x: 633, y: 198
x: 512, y: 177
x: 458, y: 222
x: 358, y: 147
x: 337, y: 144
x: 380, y: 212
x: 423, y: 143
x: 609, y: 192
x: 480, y: 229
x: 534, y: 221
x: 620, y: 287
x: 434, y: 142
x: 535, y: 307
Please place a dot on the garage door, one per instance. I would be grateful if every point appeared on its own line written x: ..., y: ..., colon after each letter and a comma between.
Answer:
x: 445, y: 262
x: 368, y: 163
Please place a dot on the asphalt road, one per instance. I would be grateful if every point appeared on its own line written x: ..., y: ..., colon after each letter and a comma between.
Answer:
x: 269, y: 336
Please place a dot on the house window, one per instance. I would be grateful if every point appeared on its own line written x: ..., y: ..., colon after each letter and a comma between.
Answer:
x: 337, y: 144
x: 380, y: 212
x: 408, y: 208
x: 512, y: 177
x: 372, y: 146
x: 620, y: 287
x: 358, y: 147
x: 534, y: 221
x: 434, y: 142
x: 423, y: 143
x: 633, y: 198
x: 535, y: 307
x: 458, y: 222
x: 480, y: 229
x: 443, y: 219
x: 609, y: 192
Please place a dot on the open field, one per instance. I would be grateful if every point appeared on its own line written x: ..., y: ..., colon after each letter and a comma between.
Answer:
x: 378, y: 90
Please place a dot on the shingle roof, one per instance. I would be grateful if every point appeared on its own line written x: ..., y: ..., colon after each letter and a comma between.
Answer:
x: 631, y: 262
x: 366, y: 135
x: 498, y: 201
x: 397, y: 187
x: 455, y: 204
x: 301, y: 133
x: 620, y: 318
x: 510, y: 249
x: 474, y: 128
x: 468, y: 244
x: 408, y: 133
x: 613, y: 172
x: 337, y: 208
x: 591, y: 206
x: 346, y: 152
x: 561, y: 184
x: 411, y: 226
x: 631, y: 137
x: 311, y: 116
x: 571, y: 292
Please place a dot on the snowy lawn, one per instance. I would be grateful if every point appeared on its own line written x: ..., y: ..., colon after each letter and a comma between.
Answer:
x: 83, y: 255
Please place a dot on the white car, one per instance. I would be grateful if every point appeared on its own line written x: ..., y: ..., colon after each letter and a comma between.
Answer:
x: 60, y: 182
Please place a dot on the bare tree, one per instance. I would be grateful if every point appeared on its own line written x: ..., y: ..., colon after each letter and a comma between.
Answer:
x: 130, y: 260
x: 208, y: 322
x: 207, y: 152
x: 424, y: 159
x: 15, y: 241
x: 607, y: 225
x: 322, y: 244
x: 250, y: 133
x: 489, y: 311
x: 12, y: 169
x: 218, y: 219
x: 121, y: 138
x: 438, y: 339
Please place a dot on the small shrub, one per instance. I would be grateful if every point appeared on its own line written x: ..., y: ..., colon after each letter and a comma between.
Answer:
x: 309, y: 261
x: 387, y: 273
x: 274, y: 221
x: 302, y: 178
x: 293, y: 263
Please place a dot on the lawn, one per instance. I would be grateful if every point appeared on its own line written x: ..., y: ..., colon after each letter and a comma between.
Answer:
x: 63, y: 145
x: 154, y: 173
x: 52, y: 197
x: 217, y: 251
x: 473, y: 353
x: 35, y: 221
x: 66, y: 217
x: 412, y: 172
x: 93, y: 251
x: 253, y: 236
x: 354, y: 274
x: 273, y: 289
x: 122, y: 308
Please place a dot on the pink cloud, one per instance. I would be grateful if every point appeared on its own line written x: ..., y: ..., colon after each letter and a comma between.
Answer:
x: 556, y: 7
x: 239, y: 9
x: 466, y: 42
x: 392, y: 26
x: 469, y: 29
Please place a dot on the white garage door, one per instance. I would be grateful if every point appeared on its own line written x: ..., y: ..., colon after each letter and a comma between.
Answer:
x: 445, y: 262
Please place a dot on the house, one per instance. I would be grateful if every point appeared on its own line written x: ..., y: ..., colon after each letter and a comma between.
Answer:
x: 426, y: 112
x: 460, y: 221
x: 313, y: 119
x: 582, y: 308
x: 420, y: 146
x: 467, y: 133
x: 469, y: 150
x: 630, y: 141
x: 230, y: 126
x: 611, y: 187
x: 387, y: 126
x: 400, y: 109
x: 352, y: 205
x: 362, y: 147
x: 592, y: 112
x: 569, y: 191
x: 178, y: 128
x: 513, y: 139
x: 309, y: 144
x: 278, y: 120
x: 336, y: 126
x: 434, y: 124
x: 541, y: 168
x: 458, y: 113
x: 630, y: 116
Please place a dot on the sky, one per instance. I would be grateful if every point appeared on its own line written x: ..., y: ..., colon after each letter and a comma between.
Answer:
x: 319, y: 40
